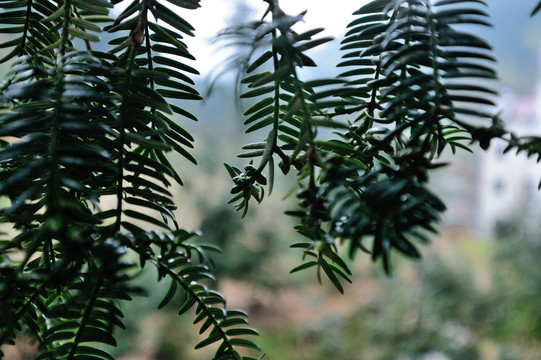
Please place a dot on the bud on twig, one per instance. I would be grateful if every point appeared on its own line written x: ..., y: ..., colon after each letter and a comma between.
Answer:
x: 138, y: 34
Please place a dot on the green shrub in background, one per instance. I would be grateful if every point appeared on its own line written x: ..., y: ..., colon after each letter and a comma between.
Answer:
x: 84, y: 134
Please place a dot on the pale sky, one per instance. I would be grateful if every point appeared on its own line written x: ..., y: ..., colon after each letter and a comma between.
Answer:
x: 213, y: 14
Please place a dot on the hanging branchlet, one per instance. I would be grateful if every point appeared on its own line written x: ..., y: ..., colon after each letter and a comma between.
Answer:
x: 409, y: 74
x: 282, y: 108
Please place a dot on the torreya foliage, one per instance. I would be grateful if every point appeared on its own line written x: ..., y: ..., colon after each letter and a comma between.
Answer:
x: 84, y: 136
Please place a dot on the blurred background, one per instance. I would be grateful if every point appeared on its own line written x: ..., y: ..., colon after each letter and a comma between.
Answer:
x: 476, y: 294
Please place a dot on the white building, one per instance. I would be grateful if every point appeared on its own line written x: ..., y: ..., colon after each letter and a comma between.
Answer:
x: 507, y: 183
